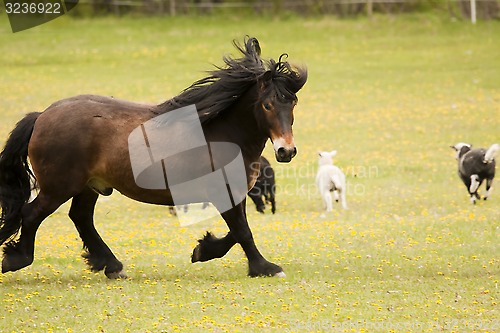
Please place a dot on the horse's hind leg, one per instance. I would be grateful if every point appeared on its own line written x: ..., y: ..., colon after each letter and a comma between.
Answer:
x: 20, y: 253
x: 99, y: 255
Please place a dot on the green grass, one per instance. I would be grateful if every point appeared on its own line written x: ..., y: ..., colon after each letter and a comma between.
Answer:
x: 390, y: 94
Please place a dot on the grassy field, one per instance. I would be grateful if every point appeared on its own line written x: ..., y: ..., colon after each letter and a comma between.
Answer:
x: 391, y: 94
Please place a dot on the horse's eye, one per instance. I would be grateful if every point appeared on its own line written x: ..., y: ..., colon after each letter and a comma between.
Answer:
x: 267, y: 106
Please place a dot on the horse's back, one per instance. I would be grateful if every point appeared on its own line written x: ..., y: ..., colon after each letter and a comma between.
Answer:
x: 96, y: 105
x: 87, y: 122
x: 84, y: 138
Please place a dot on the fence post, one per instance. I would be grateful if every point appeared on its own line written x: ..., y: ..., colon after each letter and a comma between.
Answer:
x: 369, y: 8
x: 172, y: 7
x: 473, y: 11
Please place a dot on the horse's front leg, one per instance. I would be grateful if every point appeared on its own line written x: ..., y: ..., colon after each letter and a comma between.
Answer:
x: 240, y: 233
x: 211, y: 247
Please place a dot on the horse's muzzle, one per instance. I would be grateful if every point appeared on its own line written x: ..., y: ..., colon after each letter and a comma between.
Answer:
x: 285, y: 154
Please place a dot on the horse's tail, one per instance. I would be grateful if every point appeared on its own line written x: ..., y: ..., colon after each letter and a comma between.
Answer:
x: 15, y: 176
x: 491, y: 153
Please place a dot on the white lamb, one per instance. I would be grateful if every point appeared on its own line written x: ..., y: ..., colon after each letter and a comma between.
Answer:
x: 330, y: 179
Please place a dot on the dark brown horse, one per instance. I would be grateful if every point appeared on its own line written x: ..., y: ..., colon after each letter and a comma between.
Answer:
x: 78, y: 149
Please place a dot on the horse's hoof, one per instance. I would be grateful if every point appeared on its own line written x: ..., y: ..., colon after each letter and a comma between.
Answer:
x: 280, y: 275
x: 117, y: 275
x: 6, y: 267
x: 12, y: 263
x: 208, y: 248
x: 265, y: 268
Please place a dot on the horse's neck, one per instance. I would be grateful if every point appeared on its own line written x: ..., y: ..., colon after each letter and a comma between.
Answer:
x: 241, y: 123
x: 255, y: 137
x: 238, y: 125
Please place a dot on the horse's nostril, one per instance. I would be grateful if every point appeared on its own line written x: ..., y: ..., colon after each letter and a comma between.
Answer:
x: 285, y: 155
x: 281, y: 152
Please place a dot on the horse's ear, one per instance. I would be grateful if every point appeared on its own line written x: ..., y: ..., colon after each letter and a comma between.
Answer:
x: 252, y: 49
x: 255, y: 45
x: 299, y: 78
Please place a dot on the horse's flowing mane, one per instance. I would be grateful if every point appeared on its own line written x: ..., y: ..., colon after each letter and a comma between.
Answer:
x: 218, y: 91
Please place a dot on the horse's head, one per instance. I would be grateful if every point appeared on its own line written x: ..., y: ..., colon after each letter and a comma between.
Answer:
x: 277, y: 99
x: 270, y: 88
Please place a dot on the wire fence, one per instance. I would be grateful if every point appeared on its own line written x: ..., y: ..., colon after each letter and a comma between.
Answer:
x: 484, y: 9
